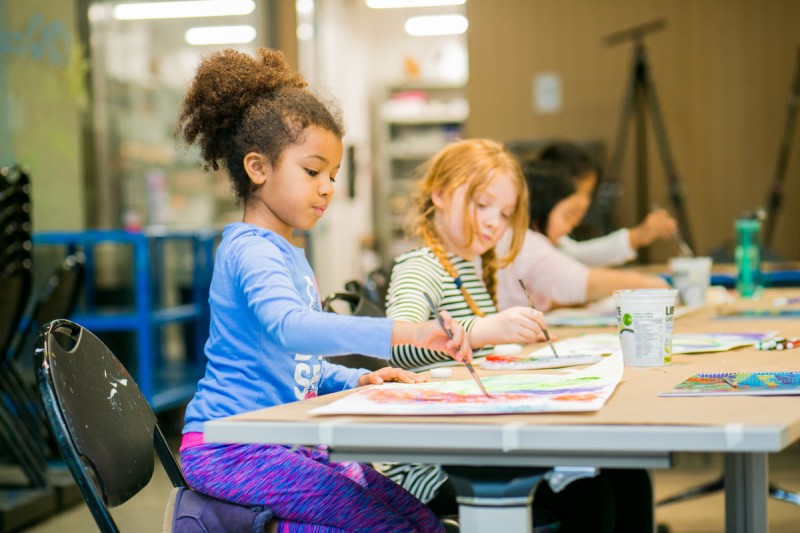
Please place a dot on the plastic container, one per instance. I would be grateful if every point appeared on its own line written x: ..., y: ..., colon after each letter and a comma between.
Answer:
x: 645, y: 317
x: 692, y: 277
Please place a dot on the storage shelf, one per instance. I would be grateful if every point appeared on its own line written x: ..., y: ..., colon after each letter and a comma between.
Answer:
x: 164, y: 383
x: 410, y: 129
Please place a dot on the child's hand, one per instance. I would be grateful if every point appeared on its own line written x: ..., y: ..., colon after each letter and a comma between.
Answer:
x: 521, y: 325
x: 432, y: 336
x: 657, y: 225
x: 390, y: 374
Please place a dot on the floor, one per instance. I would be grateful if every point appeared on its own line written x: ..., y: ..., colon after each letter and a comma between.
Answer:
x: 702, y: 515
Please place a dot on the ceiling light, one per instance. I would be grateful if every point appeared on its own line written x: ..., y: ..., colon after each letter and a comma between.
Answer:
x: 387, y: 4
x: 304, y: 7
x: 436, y: 25
x: 220, y: 35
x: 186, y: 9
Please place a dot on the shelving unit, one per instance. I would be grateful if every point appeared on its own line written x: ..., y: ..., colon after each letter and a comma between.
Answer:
x: 413, y: 121
x: 165, y: 383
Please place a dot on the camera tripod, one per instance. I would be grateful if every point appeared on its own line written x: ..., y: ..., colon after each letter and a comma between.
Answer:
x: 640, y: 98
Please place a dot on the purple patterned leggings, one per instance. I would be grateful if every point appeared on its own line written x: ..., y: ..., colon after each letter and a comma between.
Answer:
x: 307, y: 492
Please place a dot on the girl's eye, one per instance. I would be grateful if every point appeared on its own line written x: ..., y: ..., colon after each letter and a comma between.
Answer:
x: 333, y: 179
x: 312, y: 173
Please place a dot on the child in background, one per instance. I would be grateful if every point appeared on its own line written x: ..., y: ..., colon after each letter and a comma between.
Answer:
x: 281, y: 146
x: 552, y: 277
x: 472, y: 192
x: 619, y: 246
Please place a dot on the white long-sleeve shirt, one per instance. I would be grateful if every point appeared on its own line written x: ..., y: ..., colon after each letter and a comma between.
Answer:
x: 609, y: 250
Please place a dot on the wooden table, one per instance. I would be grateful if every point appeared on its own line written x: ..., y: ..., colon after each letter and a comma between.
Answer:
x: 635, y: 429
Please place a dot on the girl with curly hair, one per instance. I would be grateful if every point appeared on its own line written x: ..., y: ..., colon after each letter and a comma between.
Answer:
x: 281, y: 147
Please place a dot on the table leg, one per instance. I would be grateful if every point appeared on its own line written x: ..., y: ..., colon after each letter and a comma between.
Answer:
x: 746, y: 492
x: 495, y: 498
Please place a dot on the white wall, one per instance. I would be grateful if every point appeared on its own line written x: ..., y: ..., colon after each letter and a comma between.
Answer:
x: 358, y: 52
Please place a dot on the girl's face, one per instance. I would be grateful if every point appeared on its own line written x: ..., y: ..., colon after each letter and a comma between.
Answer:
x: 566, y: 215
x: 296, y: 191
x: 490, y: 209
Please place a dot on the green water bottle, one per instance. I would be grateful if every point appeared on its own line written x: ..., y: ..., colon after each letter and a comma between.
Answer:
x: 748, y: 257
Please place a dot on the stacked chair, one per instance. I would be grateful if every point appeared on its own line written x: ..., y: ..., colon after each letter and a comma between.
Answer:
x: 24, y: 494
x: 34, y: 483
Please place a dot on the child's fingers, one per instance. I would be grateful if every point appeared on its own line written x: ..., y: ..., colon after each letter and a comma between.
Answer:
x: 463, y: 352
x: 409, y: 377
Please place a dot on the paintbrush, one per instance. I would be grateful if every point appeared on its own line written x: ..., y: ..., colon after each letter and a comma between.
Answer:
x: 683, y: 247
x: 450, y: 334
x: 544, y: 330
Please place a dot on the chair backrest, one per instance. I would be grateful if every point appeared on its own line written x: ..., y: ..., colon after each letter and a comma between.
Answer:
x: 15, y: 288
x: 104, y: 427
x: 358, y: 304
x: 56, y: 298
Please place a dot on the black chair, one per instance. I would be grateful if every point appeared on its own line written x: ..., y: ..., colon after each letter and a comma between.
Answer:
x: 56, y: 298
x: 103, y: 425
x: 355, y: 304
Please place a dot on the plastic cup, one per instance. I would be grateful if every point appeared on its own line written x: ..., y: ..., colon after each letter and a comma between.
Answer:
x: 692, y: 277
x: 644, y: 317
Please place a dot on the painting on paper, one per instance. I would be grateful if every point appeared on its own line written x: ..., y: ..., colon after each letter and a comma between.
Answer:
x: 585, y: 390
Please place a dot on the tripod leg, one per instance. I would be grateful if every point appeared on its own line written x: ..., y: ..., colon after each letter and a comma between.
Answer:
x: 774, y: 201
x: 608, y: 188
x: 675, y: 188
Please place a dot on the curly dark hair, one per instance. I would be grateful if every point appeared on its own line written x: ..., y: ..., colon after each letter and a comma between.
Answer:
x: 238, y: 104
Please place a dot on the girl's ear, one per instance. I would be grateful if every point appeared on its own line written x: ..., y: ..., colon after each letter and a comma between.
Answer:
x: 257, y: 168
x: 438, y: 199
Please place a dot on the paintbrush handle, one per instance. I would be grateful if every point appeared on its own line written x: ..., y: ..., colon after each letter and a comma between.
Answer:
x: 530, y: 302
x: 552, y: 347
x: 476, y: 378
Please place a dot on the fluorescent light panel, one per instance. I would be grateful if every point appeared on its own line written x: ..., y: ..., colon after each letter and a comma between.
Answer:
x: 220, y: 35
x: 389, y: 4
x: 187, y: 9
x: 436, y: 25
x: 304, y: 7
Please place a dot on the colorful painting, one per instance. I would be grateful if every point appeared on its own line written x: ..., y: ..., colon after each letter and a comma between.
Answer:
x: 585, y: 390
x: 737, y: 384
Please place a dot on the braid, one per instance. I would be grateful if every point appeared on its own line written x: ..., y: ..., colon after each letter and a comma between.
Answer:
x: 489, y: 267
x: 429, y: 236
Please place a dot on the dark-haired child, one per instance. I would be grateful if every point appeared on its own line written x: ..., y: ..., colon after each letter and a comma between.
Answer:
x: 618, y: 246
x: 552, y: 277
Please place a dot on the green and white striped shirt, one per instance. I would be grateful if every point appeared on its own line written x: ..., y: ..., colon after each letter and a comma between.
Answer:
x: 417, y: 272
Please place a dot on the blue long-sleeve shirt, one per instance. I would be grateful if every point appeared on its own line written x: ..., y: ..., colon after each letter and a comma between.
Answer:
x: 268, y: 331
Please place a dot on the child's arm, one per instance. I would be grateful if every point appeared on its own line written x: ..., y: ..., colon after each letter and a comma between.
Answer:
x: 431, y: 335
x: 609, y: 250
x: 603, y: 282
